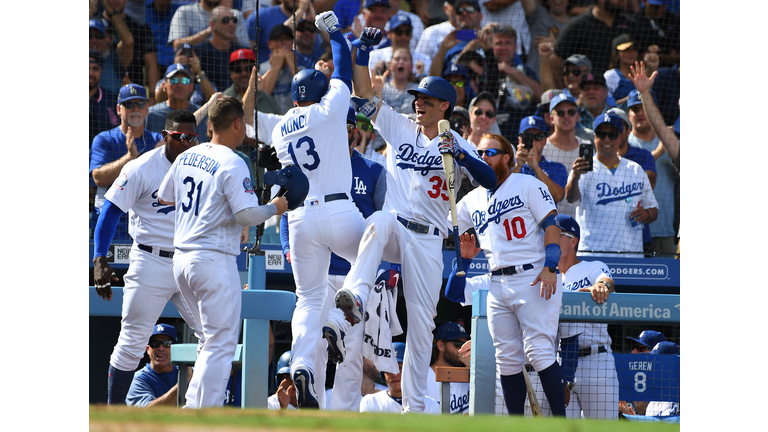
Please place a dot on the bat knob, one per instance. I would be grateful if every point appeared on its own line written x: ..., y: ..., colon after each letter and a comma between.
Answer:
x: 461, y: 274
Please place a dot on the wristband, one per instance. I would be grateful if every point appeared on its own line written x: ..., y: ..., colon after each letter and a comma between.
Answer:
x: 368, y: 109
x: 551, y: 255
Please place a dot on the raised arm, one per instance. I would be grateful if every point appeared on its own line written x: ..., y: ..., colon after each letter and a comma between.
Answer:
x: 643, y: 85
x: 361, y: 85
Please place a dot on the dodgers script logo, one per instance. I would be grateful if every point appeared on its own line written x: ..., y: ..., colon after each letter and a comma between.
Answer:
x: 164, y: 209
x: 496, y: 210
x: 610, y: 194
x: 421, y: 163
x: 583, y: 283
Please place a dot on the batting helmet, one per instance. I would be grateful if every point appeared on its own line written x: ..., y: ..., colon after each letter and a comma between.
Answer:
x: 283, y: 366
x: 309, y: 85
x: 294, y: 185
x: 436, y: 87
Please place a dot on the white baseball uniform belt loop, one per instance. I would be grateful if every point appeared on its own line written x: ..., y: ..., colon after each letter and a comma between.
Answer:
x: 156, y: 251
x: 418, y: 227
x: 512, y: 270
x: 313, y: 202
x: 594, y: 349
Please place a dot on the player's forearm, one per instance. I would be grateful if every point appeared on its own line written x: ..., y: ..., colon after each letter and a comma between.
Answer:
x: 454, y: 289
x: 552, y: 233
x: 342, y: 59
x: 481, y: 171
x: 167, y: 399
x: 253, y: 216
x: 105, y: 228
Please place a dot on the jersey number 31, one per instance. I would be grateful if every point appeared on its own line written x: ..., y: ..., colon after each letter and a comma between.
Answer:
x: 193, y: 194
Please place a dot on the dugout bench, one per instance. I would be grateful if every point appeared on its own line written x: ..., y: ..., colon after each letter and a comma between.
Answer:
x: 258, y: 308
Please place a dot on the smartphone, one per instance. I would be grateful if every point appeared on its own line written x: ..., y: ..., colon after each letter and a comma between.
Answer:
x: 586, y: 151
x: 187, y: 52
x: 527, y: 141
x: 466, y: 35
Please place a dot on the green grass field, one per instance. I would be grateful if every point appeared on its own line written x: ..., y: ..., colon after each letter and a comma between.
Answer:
x: 115, y: 419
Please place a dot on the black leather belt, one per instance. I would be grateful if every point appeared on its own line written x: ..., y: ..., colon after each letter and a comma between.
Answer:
x: 332, y: 197
x: 162, y: 253
x: 509, y: 271
x: 588, y: 351
x: 416, y: 227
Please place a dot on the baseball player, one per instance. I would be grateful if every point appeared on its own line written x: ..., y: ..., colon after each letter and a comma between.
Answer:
x: 212, y: 188
x: 285, y: 396
x: 368, y: 187
x: 449, y: 338
x: 412, y: 225
x: 658, y: 408
x: 312, y: 136
x: 585, y: 348
x: 391, y: 400
x: 516, y: 226
x: 149, y: 283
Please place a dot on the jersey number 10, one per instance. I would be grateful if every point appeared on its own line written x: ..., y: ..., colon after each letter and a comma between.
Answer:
x: 191, y: 195
x: 515, y: 228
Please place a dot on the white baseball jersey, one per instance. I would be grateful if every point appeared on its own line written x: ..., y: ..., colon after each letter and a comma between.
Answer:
x: 382, y: 402
x: 135, y: 192
x: 195, y: 183
x: 273, y: 403
x: 459, y: 393
x: 314, y: 138
x: 416, y: 186
x: 507, y: 220
x: 603, y: 213
x: 554, y: 154
x: 582, y: 275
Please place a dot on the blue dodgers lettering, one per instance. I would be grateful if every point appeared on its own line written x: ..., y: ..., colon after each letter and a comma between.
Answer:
x: 460, y: 404
x: 422, y: 163
x: 584, y: 283
x: 200, y: 161
x: 497, y: 209
x: 293, y: 124
x: 164, y: 209
x: 617, y: 193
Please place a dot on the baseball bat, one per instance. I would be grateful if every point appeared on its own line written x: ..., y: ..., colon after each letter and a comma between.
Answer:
x: 532, y: 399
x: 443, y: 126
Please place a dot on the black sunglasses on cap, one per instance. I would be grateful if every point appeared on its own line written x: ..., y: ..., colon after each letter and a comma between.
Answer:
x: 157, y: 343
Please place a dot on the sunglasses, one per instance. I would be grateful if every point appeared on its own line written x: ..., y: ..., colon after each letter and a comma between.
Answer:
x: 157, y: 343
x: 567, y: 234
x: 98, y: 36
x: 467, y: 9
x: 238, y: 69
x: 213, y: 3
x: 457, y: 344
x: 536, y: 136
x: 175, y: 80
x: 181, y: 136
x: 350, y: 128
x: 132, y: 105
x: 490, y: 152
x: 574, y: 72
x: 571, y: 112
x: 603, y: 134
x: 365, y: 127
x: 225, y: 20
x: 306, y: 28
x: 403, y: 32
x: 636, y: 108
x: 490, y: 114
x: 459, y: 84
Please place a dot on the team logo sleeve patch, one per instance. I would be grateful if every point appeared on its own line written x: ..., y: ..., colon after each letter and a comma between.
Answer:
x: 248, y: 185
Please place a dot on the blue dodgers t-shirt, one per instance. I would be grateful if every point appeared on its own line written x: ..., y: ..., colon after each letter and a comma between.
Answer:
x: 148, y: 385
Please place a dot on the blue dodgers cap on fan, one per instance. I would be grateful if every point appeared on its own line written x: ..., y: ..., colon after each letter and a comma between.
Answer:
x: 676, y: 127
x: 98, y: 25
x: 177, y: 67
x: 130, y: 92
x: 351, y: 118
x: 399, y: 348
x: 610, y: 118
x: 568, y: 224
x: 666, y: 347
x: 658, y: 2
x: 371, y: 3
x: 634, y: 98
x: 451, y: 331
x: 455, y: 69
x: 165, y: 329
x: 399, y: 19
x: 649, y: 338
x: 562, y: 97
x: 533, y: 122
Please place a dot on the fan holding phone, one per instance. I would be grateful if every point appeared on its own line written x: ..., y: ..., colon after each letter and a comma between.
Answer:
x: 529, y: 160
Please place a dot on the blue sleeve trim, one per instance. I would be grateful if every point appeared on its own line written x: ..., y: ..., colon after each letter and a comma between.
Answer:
x: 481, y: 171
x: 342, y: 59
x: 284, y: 234
x: 454, y: 289
x: 105, y: 228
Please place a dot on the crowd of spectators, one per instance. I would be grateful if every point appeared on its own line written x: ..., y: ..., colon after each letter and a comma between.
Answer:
x: 507, y: 60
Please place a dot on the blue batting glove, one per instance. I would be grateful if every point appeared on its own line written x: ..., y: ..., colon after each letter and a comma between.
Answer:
x: 371, y: 36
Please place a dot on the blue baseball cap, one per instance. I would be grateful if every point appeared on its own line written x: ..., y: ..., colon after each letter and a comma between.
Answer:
x: 165, y: 329
x: 569, y: 224
x: 620, y: 112
x: 399, y: 19
x: 98, y: 25
x: 610, y: 118
x: 131, y: 91
x: 666, y: 347
x: 177, y: 67
x: 371, y: 3
x: 649, y: 338
x: 351, y: 118
x: 562, y: 97
x: 451, y: 331
x: 455, y: 69
x: 634, y: 98
x: 658, y: 2
x: 533, y: 122
x: 399, y: 348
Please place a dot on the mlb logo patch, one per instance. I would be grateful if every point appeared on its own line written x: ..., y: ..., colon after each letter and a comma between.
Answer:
x: 314, y: 202
x: 121, y: 181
